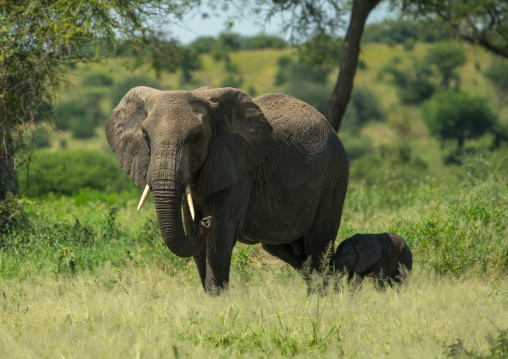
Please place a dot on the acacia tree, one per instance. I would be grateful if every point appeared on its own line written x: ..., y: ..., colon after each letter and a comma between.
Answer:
x: 321, y: 18
x: 458, y: 115
x: 480, y: 22
x: 38, y: 38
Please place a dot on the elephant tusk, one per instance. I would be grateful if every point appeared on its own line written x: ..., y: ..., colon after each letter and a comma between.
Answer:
x: 189, y: 201
x: 144, y: 197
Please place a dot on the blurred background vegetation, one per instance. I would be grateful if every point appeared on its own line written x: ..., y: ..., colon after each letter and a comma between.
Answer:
x: 415, y: 118
x: 425, y: 130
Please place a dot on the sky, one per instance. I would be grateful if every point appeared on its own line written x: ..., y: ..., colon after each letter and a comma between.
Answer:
x: 194, y: 26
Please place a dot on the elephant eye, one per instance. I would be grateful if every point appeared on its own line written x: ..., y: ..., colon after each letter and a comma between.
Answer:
x: 147, y: 140
x: 195, y: 138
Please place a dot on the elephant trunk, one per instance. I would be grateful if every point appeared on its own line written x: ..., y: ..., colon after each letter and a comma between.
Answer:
x: 168, y: 200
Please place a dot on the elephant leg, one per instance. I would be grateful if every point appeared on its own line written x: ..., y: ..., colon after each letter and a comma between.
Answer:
x: 228, y: 210
x: 200, y: 258
x: 286, y: 253
x: 319, y: 242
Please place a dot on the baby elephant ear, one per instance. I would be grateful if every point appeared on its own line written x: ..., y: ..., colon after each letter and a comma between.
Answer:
x: 123, y: 132
x: 368, y: 255
x: 242, y: 138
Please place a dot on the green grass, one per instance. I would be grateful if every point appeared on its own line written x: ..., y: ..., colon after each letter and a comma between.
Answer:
x: 88, y: 276
x: 145, y: 312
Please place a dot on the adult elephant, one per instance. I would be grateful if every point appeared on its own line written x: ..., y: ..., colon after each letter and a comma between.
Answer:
x: 269, y: 170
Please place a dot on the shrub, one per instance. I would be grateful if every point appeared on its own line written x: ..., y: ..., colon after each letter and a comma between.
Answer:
x: 232, y: 80
x: 457, y: 115
x: 97, y: 79
x: 290, y: 71
x: 412, y: 84
x: 68, y: 172
x: 447, y: 56
x: 40, y: 138
x: 81, y: 115
x: 203, y: 44
x: 362, y: 108
x: 263, y: 41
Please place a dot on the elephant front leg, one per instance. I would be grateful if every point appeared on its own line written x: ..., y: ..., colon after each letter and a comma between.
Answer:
x: 200, y: 257
x: 228, y: 211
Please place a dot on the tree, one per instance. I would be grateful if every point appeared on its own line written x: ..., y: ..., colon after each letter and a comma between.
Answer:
x: 481, y: 22
x: 319, y: 19
x: 497, y: 73
x: 447, y: 56
x: 457, y: 115
x: 39, y: 38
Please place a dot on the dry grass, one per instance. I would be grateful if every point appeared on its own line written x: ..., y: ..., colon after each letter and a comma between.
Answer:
x: 143, y: 312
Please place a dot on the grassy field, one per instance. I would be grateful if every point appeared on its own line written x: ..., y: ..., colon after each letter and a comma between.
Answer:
x: 143, y: 312
x: 89, y: 277
x: 84, y: 275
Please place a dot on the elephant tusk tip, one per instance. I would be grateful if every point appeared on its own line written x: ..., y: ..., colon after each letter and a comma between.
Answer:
x: 144, y: 196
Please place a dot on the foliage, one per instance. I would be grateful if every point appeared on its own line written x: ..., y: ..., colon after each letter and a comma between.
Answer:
x: 447, y: 57
x: 232, y: 80
x: 190, y: 62
x: 38, y: 38
x: 294, y: 72
x: 413, y: 83
x: 497, y: 73
x: 321, y: 50
x: 402, y: 31
x: 203, y: 44
x: 457, y: 115
x: 81, y: 115
x: 40, y: 138
x: 477, y: 21
x: 68, y: 172
x: 263, y: 41
x: 363, y: 107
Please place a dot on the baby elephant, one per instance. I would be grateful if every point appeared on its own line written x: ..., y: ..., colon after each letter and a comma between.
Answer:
x: 374, y: 255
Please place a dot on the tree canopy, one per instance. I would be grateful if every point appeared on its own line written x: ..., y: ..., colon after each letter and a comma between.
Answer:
x: 482, y: 22
x: 39, y: 38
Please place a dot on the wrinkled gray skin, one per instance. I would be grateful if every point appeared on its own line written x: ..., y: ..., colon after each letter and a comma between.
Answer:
x: 374, y: 255
x: 269, y: 170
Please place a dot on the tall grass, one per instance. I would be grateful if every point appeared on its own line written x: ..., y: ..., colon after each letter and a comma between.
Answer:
x: 88, y: 276
x: 144, y: 312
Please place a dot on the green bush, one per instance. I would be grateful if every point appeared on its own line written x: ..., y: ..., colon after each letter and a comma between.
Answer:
x: 363, y: 107
x: 457, y: 115
x: 68, y: 172
x: 40, y: 138
x: 263, y: 41
x: 232, y: 80
x: 97, y: 79
x: 81, y: 115
x: 203, y: 44
x: 413, y: 84
x: 390, y: 166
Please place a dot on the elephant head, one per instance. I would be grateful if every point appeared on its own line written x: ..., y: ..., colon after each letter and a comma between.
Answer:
x: 357, y: 256
x: 166, y: 140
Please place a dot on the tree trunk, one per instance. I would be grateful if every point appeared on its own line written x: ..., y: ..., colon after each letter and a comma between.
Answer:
x: 8, y: 174
x: 351, y: 50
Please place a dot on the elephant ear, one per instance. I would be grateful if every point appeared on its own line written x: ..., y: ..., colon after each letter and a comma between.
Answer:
x: 124, y: 135
x: 241, y: 141
x: 369, y: 253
